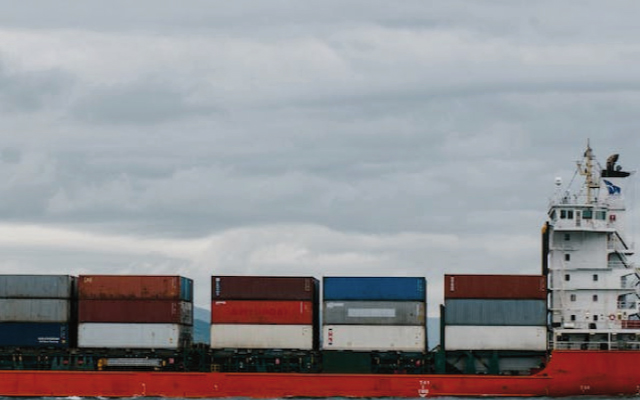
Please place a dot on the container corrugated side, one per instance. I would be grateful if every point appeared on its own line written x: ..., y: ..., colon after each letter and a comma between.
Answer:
x: 495, y: 287
x: 186, y: 289
x: 374, y: 288
x: 248, y: 336
x: 136, y: 311
x: 263, y: 288
x: 37, y: 286
x: 35, y: 310
x: 134, y: 336
x: 31, y: 334
x: 464, y: 337
x: 374, y: 312
x: 495, y: 312
x: 374, y: 338
x: 133, y: 287
x: 262, y: 312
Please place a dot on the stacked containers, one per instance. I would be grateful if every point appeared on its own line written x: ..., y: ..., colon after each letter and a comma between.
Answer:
x: 495, y: 312
x: 374, y: 314
x: 260, y: 312
x: 129, y: 311
x: 36, y: 310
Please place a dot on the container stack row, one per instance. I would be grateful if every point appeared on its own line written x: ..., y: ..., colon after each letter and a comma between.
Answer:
x: 495, y: 312
x: 128, y: 311
x: 36, y: 310
x: 261, y: 312
x: 374, y: 314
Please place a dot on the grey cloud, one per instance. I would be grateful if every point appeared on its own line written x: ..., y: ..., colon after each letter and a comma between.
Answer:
x: 30, y: 91
x: 144, y: 102
x: 349, y: 123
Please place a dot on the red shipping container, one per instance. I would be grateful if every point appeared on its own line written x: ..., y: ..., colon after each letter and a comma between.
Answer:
x: 103, y: 287
x: 136, y: 311
x: 262, y: 312
x: 495, y: 287
x: 263, y: 288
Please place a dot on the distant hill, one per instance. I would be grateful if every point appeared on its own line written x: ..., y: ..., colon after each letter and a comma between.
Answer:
x: 202, y: 320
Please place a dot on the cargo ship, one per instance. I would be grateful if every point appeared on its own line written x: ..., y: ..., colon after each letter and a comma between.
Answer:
x: 571, y: 329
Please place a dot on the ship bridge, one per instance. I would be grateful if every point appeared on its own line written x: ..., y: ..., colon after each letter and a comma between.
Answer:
x: 592, y: 280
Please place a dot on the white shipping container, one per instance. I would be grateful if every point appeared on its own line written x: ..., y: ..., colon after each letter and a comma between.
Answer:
x: 136, y: 336
x: 35, y: 310
x: 461, y: 337
x: 254, y: 336
x: 374, y: 337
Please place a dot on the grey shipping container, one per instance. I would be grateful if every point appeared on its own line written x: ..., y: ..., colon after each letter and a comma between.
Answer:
x: 374, y: 312
x: 491, y: 312
x: 35, y: 310
x: 37, y: 286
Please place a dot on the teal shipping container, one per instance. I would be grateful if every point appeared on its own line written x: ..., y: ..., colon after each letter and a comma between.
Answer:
x: 490, y: 312
x: 374, y: 288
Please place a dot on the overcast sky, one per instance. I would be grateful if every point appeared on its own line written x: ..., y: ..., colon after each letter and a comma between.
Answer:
x: 322, y: 138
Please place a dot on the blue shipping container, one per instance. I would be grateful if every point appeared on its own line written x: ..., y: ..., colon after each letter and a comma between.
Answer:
x: 374, y: 288
x: 25, y: 334
x: 186, y: 289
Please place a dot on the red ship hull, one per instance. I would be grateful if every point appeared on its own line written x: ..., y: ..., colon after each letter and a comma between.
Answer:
x: 568, y: 373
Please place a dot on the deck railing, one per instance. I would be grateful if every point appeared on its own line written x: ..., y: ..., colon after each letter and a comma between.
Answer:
x: 596, y: 345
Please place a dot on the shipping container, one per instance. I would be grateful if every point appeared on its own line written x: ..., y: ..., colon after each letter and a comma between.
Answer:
x: 374, y: 338
x: 464, y: 337
x: 136, y: 311
x: 247, y: 336
x: 264, y: 288
x: 374, y: 313
x: 374, y: 288
x: 495, y: 312
x: 31, y: 334
x: 134, y: 336
x: 35, y: 310
x: 186, y: 289
x: 37, y: 286
x: 134, y: 287
x: 262, y: 312
x: 495, y: 287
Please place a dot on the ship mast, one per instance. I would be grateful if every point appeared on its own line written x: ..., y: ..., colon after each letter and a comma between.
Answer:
x: 585, y: 168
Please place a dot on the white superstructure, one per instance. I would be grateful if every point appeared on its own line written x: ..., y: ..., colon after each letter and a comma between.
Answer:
x: 593, y: 284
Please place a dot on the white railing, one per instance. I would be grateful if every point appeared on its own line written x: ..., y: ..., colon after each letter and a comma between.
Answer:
x: 628, y: 283
x: 596, y: 345
x: 626, y: 305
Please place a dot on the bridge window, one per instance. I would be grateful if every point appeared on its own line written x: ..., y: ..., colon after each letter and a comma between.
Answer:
x: 567, y: 236
x: 587, y: 214
x: 601, y: 215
